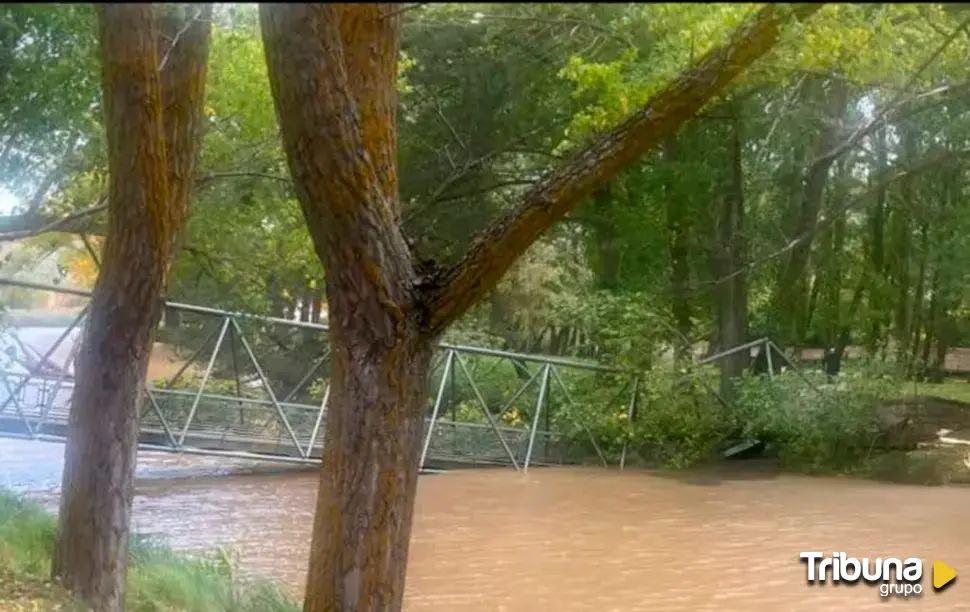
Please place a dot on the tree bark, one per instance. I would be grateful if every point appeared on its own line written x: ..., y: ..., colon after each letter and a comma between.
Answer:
x: 340, y: 152
x: 332, y: 70
x: 90, y: 554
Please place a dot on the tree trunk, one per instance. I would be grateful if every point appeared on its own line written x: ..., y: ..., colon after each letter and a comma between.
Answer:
x: 792, y: 294
x: 902, y: 251
x: 146, y: 199
x: 877, y: 258
x: 332, y: 69
x: 380, y: 352
x: 608, y: 253
x: 372, y: 446
x: 677, y: 225
x: 731, y: 295
x: 306, y: 299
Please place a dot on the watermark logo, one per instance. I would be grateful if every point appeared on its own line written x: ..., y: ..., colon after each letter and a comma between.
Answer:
x: 895, y: 577
x: 943, y: 575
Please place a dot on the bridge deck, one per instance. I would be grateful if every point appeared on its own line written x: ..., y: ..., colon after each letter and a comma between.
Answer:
x: 251, y: 428
x: 489, y: 406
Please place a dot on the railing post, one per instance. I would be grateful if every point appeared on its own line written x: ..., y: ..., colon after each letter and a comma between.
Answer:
x: 629, y: 418
x: 449, y: 363
x: 316, y: 425
x: 543, y: 389
x: 205, y: 380
x: 488, y: 415
x: 268, y: 387
x: 771, y: 367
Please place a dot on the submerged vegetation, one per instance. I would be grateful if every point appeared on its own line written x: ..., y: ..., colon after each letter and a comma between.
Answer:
x: 158, y: 580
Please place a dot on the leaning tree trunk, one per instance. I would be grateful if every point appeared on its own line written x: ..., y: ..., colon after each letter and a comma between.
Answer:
x: 332, y: 69
x: 149, y: 168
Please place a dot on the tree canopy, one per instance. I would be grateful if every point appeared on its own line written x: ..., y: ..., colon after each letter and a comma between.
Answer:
x: 791, y: 171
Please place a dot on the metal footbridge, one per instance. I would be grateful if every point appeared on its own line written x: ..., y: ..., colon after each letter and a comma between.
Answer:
x: 486, y: 407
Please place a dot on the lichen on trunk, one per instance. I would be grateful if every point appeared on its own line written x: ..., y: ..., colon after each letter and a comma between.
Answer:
x: 90, y: 557
x: 146, y: 162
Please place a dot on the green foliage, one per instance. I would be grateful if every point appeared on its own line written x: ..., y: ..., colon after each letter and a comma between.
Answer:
x: 834, y: 429
x: 493, y: 95
x: 158, y: 580
x: 26, y: 535
x: 49, y: 79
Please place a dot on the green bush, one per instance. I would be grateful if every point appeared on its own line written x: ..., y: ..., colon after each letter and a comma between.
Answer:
x: 677, y: 423
x: 828, y: 428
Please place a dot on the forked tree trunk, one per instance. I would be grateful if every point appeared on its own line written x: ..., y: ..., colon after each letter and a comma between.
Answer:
x: 149, y: 168
x: 332, y: 69
x: 372, y: 446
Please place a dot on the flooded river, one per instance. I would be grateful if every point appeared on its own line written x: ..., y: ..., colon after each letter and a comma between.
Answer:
x: 566, y: 539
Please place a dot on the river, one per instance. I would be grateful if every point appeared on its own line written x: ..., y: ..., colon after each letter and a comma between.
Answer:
x: 563, y: 539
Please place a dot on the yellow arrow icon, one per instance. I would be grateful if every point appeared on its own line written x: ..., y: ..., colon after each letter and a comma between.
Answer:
x: 943, y: 574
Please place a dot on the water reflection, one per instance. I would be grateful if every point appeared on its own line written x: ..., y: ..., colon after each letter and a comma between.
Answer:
x: 567, y: 539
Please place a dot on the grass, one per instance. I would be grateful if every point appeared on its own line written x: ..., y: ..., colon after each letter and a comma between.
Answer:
x: 158, y: 579
x: 951, y: 388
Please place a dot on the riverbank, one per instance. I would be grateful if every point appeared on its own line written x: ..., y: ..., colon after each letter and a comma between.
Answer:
x: 158, y: 579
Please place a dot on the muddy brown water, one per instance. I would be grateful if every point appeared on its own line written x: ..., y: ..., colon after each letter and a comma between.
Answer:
x: 566, y: 539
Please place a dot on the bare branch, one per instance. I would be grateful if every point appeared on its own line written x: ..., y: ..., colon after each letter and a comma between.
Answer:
x: 892, y: 109
x: 484, y: 190
x: 91, y: 252
x: 178, y: 35
x: 209, y: 177
x: 34, y: 225
x: 30, y: 224
x: 451, y: 292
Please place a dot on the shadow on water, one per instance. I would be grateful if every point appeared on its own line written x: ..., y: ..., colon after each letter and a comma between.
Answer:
x: 723, y: 472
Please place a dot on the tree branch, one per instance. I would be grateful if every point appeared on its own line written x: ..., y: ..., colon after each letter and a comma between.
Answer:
x: 931, y: 163
x: 30, y: 224
x: 18, y: 227
x: 893, y: 111
x: 455, y: 289
x: 205, y: 179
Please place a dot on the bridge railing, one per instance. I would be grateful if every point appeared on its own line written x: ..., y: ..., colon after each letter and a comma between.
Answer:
x: 226, y: 393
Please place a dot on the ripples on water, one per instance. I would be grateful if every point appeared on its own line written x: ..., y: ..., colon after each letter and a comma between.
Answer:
x: 564, y: 539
